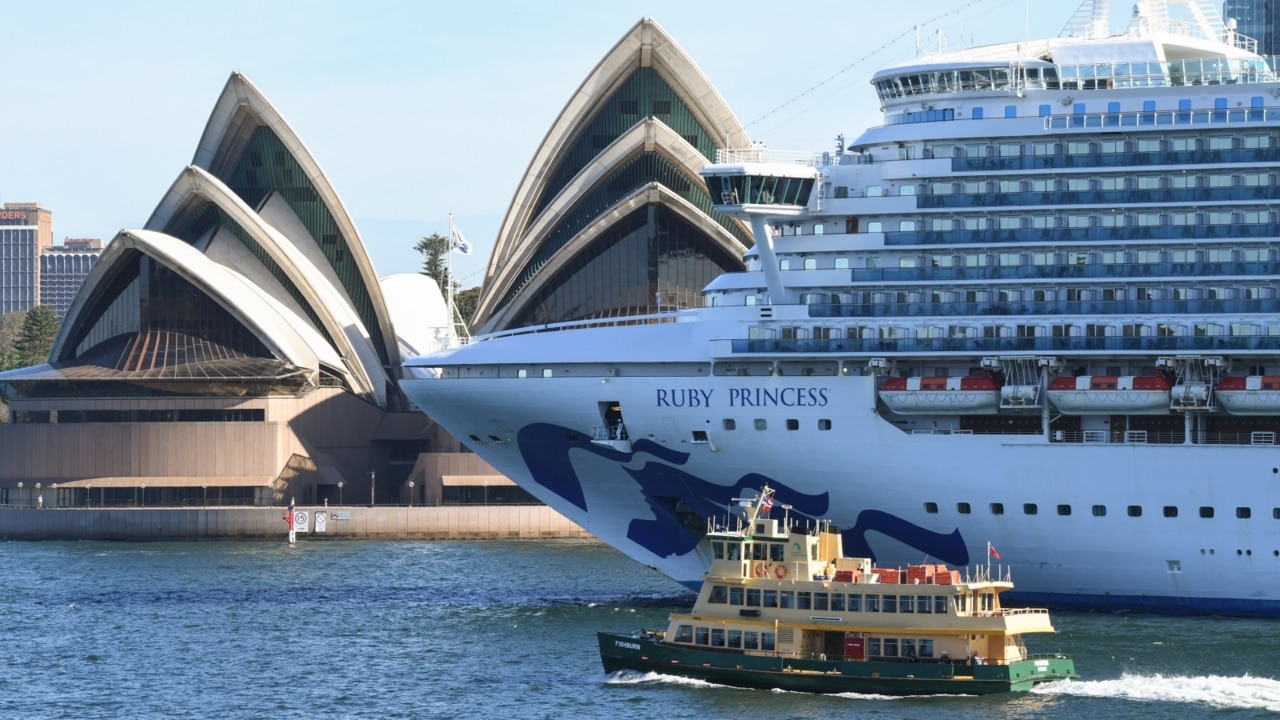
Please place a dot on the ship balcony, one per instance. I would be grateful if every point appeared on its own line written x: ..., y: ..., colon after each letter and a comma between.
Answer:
x: 612, y: 437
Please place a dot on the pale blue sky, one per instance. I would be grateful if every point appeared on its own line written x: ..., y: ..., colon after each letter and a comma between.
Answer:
x: 418, y: 109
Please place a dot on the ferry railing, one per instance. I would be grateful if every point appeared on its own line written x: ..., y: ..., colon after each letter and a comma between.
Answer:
x: 647, y: 319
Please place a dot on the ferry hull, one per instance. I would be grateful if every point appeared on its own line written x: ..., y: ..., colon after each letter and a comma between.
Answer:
x: 642, y: 654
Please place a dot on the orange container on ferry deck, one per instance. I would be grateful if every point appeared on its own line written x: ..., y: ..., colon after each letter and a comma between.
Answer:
x: 886, y: 575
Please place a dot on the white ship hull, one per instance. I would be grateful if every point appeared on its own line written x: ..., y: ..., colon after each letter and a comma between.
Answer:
x: 879, y: 485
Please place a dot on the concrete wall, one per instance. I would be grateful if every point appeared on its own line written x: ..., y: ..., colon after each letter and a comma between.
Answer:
x: 428, y: 523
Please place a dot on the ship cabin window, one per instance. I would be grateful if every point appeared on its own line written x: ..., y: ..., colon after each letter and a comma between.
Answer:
x: 939, y: 604
x: 1045, y: 110
x: 907, y: 225
x: 761, y: 424
x: 522, y: 373
x: 702, y: 636
x: 1099, y: 510
x: 719, y: 594
x: 793, y: 424
x: 842, y: 263
x: 784, y: 264
x: 684, y: 633
x: 855, y: 602
x: 546, y: 372
x: 1244, y: 513
x: 733, y: 551
x: 786, y: 599
x: 906, y: 604
x: 753, y: 597
x: 1135, y: 511
x: 729, y: 424
x: 1149, y: 145
x: 1171, y: 511
x: 1206, y: 512
x: 1064, y: 509
x: 871, y: 603
x: 735, y: 639
x: 824, y: 424
x: 769, y: 599
x: 873, y: 647
x: 735, y: 595
x: 931, y: 508
x: 1030, y: 509
x: 810, y: 263
x: 875, y: 226
x: 804, y: 600
x: 962, y: 508
x: 997, y: 508
x: 875, y: 191
x: 717, y: 550
x: 1275, y: 513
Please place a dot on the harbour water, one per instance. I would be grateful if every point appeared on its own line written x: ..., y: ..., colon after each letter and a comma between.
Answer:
x: 487, y: 630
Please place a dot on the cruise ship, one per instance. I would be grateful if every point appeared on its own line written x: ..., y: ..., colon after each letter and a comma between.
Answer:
x: 1034, y: 310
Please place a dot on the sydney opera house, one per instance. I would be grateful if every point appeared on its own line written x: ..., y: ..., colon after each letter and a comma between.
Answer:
x: 240, y: 348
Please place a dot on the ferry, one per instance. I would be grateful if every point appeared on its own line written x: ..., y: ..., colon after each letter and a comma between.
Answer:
x: 782, y: 608
x: 1038, y: 305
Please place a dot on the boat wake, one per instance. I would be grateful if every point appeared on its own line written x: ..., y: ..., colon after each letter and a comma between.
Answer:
x: 1239, y: 693
x: 636, y: 678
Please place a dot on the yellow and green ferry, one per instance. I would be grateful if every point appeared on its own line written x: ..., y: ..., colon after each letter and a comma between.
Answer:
x: 781, y: 607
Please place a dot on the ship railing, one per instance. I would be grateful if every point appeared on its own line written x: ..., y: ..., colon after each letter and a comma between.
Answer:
x: 732, y: 156
x: 643, y: 319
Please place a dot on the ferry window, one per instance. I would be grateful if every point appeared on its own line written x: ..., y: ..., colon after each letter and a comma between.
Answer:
x: 546, y: 372
x: 842, y: 263
x: 786, y: 599
x: 753, y: 597
x: 824, y: 424
x: 522, y: 373
x: 750, y: 640
x: 873, y: 647
x: 701, y: 636
x: 907, y: 225
x: 926, y: 648
x: 768, y: 642
x: 891, y: 647
x: 908, y: 648
x: 717, y: 637
x: 1206, y: 512
x: 729, y: 424
x: 717, y: 549
x: 922, y: 605
x: 939, y: 604
x: 837, y: 602
x: 784, y: 264
x: 758, y: 551
x: 872, y: 603
x: 855, y: 602
x: 776, y: 552
x: 889, y: 603
x: 793, y: 424
x: 821, y: 601
x: 734, y: 551
x: 761, y: 424
x: 905, y: 604
x: 735, y: 639
x: 875, y: 191
x: 1029, y: 509
x: 804, y: 600
x: 735, y: 595
x: 931, y: 508
x: 962, y: 508
x: 770, y: 599
x: 1099, y: 510
x: 718, y: 594
x: 1171, y: 511
x: 875, y: 226
x: 684, y: 633
x: 1064, y: 509
x: 811, y: 263
x: 907, y: 190
x: 1244, y: 513
x: 997, y: 508
x: 1275, y: 513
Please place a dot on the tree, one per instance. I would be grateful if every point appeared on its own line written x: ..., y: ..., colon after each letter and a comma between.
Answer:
x: 466, y: 302
x: 35, y: 341
x: 10, y: 327
x: 435, y: 264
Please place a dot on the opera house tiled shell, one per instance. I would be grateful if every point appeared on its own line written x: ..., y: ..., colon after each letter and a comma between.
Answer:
x: 611, y: 216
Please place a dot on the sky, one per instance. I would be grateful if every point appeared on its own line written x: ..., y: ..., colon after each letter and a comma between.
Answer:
x: 416, y: 110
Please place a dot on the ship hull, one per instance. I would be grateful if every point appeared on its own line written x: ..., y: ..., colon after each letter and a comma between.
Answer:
x: 641, y: 654
x: 1082, y: 524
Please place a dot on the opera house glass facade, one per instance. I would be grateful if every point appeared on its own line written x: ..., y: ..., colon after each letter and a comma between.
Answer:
x: 612, y: 217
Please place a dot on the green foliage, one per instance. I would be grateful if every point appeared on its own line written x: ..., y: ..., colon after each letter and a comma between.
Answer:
x: 35, y: 340
x: 435, y: 251
x: 466, y: 302
x: 10, y: 326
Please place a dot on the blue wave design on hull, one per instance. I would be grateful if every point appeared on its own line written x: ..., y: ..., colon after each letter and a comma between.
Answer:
x: 546, y: 451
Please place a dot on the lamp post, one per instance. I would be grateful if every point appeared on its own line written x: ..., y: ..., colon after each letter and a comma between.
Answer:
x: 373, y: 476
x: 410, y: 493
x: 339, y: 493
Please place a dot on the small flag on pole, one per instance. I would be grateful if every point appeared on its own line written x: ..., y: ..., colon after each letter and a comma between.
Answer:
x: 767, y: 505
x: 991, y: 550
x: 458, y: 243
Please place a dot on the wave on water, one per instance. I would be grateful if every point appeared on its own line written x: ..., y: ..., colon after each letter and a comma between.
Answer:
x: 633, y: 677
x: 1247, y: 693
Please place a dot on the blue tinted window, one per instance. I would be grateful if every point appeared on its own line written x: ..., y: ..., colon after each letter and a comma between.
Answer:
x: 1184, y: 104
x: 977, y: 113
x: 1011, y: 111
x: 1044, y: 110
x: 1219, y: 103
x: 1148, y: 105
x: 1255, y: 101
x: 1113, y: 107
x: 1078, y: 109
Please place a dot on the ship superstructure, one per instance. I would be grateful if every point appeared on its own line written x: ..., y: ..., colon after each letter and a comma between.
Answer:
x: 1036, y: 306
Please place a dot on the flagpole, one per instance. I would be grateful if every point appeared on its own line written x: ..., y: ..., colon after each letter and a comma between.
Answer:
x: 988, y: 560
x: 449, y: 273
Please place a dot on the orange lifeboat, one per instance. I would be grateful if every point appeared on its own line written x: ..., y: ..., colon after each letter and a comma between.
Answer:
x: 941, y: 395
x: 1252, y: 395
x: 1107, y: 394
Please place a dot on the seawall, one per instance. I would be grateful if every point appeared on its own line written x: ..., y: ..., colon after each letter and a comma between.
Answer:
x: 492, y: 522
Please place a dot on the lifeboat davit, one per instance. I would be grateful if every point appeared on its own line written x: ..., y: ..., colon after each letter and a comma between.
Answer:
x: 941, y: 395
x: 1253, y: 395
x: 1107, y: 394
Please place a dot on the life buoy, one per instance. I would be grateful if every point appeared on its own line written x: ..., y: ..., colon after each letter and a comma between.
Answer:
x: 780, y: 572
x: 761, y: 570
